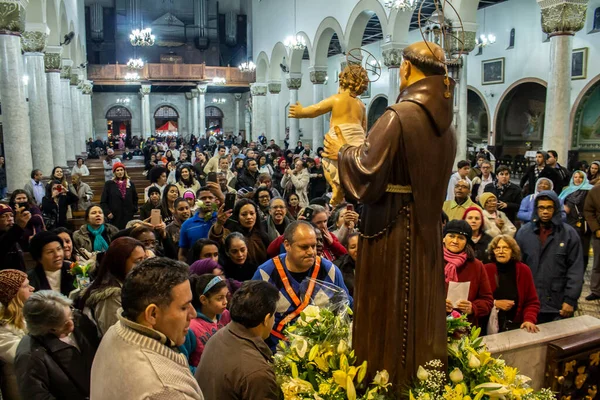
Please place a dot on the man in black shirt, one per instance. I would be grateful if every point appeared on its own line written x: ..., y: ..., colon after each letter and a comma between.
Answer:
x: 540, y: 170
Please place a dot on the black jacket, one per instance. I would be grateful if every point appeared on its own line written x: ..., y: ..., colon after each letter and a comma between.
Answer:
x: 11, y: 255
x: 41, y: 362
x: 122, y: 209
x: 318, y: 186
x: 347, y: 266
x: 146, y: 210
x: 59, y: 211
x: 511, y: 196
x: 246, y: 180
x: 37, y: 279
x: 547, y: 172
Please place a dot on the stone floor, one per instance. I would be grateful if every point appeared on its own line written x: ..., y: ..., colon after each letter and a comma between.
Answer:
x: 588, y: 307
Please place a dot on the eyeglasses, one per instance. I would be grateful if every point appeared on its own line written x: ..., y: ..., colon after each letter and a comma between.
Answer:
x: 502, y: 249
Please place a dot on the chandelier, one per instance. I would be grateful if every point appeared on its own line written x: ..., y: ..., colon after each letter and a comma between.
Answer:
x: 247, y: 66
x: 401, y: 5
x: 295, y: 43
x: 485, y: 40
x: 219, y: 101
x: 132, y: 76
x: 142, y: 37
x: 219, y: 81
x: 135, y: 63
x: 123, y: 101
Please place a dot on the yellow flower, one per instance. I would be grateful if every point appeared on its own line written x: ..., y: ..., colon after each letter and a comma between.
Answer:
x: 422, y: 374
x: 295, y: 387
x: 324, y: 388
x: 342, y: 347
x: 382, y: 379
x: 313, y: 352
x: 456, y: 375
x: 474, y: 361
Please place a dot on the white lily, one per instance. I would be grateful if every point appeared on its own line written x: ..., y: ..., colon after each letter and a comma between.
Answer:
x: 422, y: 374
x: 456, y: 375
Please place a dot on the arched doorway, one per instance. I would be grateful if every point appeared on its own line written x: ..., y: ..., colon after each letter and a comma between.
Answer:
x: 520, y: 119
x: 118, y: 122
x: 477, y: 117
x: 586, y: 123
x: 376, y: 110
x: 214, y: 120
x: 166, y: 120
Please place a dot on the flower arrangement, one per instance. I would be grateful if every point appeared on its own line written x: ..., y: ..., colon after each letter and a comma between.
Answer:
x: 209, y: 211
x: 472, y: 372
x: 81, y: 270
x: 318, y: 363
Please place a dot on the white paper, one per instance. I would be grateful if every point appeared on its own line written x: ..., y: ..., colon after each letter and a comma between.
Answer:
x: 458, y: 291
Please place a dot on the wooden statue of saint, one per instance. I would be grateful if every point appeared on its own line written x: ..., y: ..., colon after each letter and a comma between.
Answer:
x: 400, y: 174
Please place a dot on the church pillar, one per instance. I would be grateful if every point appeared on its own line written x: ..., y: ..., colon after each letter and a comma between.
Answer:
x: 195, y: 112
x: 188, y: 108
x: 259, y: 110
x: 202, y: 109
x: 294, y: 81
x: 55, y: 107
x: 15, y: 123
x: 276, y: 133
x: 76, y: 115
x: 147, y: 130
x: 392, y: 58
x: 560, y: 19
x: 237, y: 97
x: 87, y: 88
x: 65, y: 83
x: 33, y: 43
x: 318, y: 76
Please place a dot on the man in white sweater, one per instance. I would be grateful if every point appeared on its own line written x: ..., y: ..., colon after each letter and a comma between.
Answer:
x: 138, y: 356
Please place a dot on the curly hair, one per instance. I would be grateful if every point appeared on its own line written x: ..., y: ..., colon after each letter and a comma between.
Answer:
x: 355, y: 79
x: 512, y: 243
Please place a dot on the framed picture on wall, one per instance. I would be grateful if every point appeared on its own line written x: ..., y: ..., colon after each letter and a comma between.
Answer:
x: 579, y: 63
x: 367, y: 93
x: 492, y: 71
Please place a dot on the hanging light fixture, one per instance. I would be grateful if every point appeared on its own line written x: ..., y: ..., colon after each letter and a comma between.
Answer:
x: 135, y: 63
x: 142, y: 37
x: 296, y: 42
x: 485, y: 39
x: 401, y: 5
x: 218, y: 81
x: 219, y: 101
x: 247, y: 66
x: 132, y: 76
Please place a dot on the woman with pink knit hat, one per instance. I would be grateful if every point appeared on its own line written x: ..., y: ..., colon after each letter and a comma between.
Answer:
x: 14, y: 291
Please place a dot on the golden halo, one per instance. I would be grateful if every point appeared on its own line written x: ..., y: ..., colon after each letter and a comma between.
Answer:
x: 365, y: 59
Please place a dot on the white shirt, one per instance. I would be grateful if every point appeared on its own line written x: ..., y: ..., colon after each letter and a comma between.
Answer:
x: 54, y: 278
x: 453, y: 180
x: 83, y: 171
x: 484, y: 183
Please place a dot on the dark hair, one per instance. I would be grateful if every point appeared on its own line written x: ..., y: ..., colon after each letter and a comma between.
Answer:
x: 151, y: 282
x: 87, y: 211
x: 463, y: 163
x: 238, y: 208
x: 202, y: 189
x: 178, y: 177
x: 155, y: 173
x: 553, y: 152
x: 237, y: 161
x: 291, y: 229
x: 198, y: 283
x: 198, y: 246
x: 222, y: 147
x: 248, y: 160
x: 428, y: 65
x: 234, y: 235
x: 223, y: 158
x: 111, y: 271
x: 61, y: 229
x: 252, y: 302
x: 177, y: 201
x: 35, y: 171
x: 82, y: 160
x: 543, y: 153
x: 54, y: 170
x: 12, y: 202
x: 290, y: 194
x: 501, y: 169
x: 164, y: 202
x: 445, y: 218
x: 139, y: 229
x: 259, y: 191
x: 39, y: 241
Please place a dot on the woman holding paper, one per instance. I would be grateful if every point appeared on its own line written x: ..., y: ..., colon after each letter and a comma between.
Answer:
x: 465, y: 275
x: 515, y: 298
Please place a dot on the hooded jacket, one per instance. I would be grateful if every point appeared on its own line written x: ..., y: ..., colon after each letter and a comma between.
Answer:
x: 557, y: 265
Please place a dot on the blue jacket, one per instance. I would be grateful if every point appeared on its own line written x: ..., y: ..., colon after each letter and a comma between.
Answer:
x: 527, y: 207
x: 557, y: 266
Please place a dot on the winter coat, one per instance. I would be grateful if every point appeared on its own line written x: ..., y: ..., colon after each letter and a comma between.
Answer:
x: 57, y: 213
x: 85, y: 194
x: 246, y: 180
x: 11, y: 254
x: 2, y: 177
x: 548, y: 172
x: 82, y: 238
x: 297, y: 184
x: 10, y: 337
x: 41, y: 363
x: 557, y: 265
x: 103, y: 304
x: 591, y: 209
x: 269, y: 227
x: 511, y: 196
x: 37, y: 279
x: 122, y: 209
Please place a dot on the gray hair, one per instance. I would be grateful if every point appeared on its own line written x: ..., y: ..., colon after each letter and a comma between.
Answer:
x: 276, y: 198
x: 44, y: 311
x: 317, y: 209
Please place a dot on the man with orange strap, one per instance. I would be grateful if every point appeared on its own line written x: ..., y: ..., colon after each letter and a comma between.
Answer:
x: 289, y: 269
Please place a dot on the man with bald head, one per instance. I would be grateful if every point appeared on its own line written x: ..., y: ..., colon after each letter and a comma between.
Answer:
x: 401, y: 174
x: 288, y: 270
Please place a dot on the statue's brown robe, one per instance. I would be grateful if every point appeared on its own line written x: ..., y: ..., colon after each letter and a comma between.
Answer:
x: 399, y: 298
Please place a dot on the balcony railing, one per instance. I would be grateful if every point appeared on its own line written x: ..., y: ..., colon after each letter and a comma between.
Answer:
x: 114, y: 74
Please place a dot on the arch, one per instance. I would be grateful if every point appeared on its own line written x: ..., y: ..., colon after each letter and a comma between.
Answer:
x: 166, y: 111
x: 376, y: 109
x: 478, y: 115
x: 360, y: 16
x: 63, y: 30
x: 118, y: 113
x: 511, y: 39
x: 328, y: 27
x: 119, y: 118
x: 277, y: 55
x: 296, y: 56
x: 399, y: 25
x: 485, y: 105
x: 52, y: 20
x: 262, y: 67
x: 596, y: 21
x: 577, y: 113
x: 214, y: 111
x: 214, y: 119
x: 520, y: 116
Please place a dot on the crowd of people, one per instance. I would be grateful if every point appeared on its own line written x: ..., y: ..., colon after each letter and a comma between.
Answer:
x: 191, y: 292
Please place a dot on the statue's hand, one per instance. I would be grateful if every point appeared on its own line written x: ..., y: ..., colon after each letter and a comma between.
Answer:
x: 295, y: 110
x: 334, y: 144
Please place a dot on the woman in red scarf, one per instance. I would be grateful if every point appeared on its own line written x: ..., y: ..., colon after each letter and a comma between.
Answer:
x: 119, y: 198
x: 462, y: 266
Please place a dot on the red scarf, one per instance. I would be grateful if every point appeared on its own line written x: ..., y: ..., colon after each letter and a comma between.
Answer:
x: 453, y: 261
x: 122, y: 185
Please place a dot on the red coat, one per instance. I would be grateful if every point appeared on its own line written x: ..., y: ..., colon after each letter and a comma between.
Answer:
x: 528, y: 305
x: 480, y: 294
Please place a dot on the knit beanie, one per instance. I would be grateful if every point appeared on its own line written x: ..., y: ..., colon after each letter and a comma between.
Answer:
x: 39, y: 241
x: 10, y: 283
x: 204, y: 266
x: 4, y: 209
x: 460, y: 227
x: 117, y: 165
x: 153, y: 189
x: 485, y: 197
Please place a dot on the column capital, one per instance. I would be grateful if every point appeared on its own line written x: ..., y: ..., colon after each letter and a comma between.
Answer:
x: 52, y: 58
x: 194, y: 93
x: 258, y: 89
x: 12, y: 17
x: 392, y: 54
x: 294, y: 81
x: 33, y: 41
x: 318, y: 75
x: 202, y: 89
x: 145, y: 90
x: 274, y: 87
x: 75, y: 79
x: 188, y: 95
x: 563, y: 17
x: 87, y: 87
x: 65, y: 70
x: 237, y: 96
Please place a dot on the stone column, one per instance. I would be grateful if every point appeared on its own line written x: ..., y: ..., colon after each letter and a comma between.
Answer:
x: 259, y: 109
x: 237, y: 97
x: 202, y: 109
x: 560, y: 19
x: 294, y: 81
x: 15, y: 124
x: 76, y: 115
x: 33, y: 43
x: 248, y: 118
x: 65, y: 82
x: 276, y: 133
x: 86, y: 90
x: 147, y: 129
x: 55, y: 106
x: 392, y: 58
x: 195, y: 112
x: 318, y: 75
x: 188, y: 107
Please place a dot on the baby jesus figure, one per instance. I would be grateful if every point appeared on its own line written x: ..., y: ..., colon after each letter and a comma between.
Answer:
x: 348, y: 119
